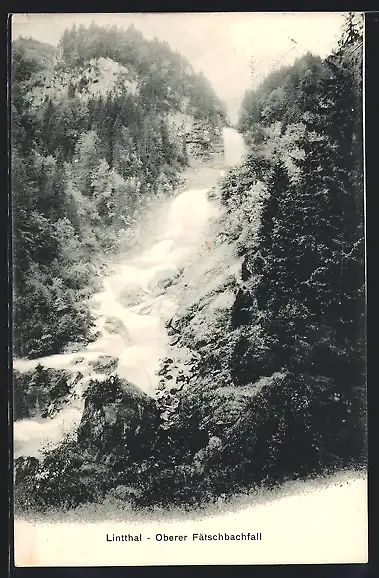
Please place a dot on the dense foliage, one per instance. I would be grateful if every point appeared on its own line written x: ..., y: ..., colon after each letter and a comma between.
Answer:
x: 305, y: 271
x: 93, y: 137
x: 307, y: 266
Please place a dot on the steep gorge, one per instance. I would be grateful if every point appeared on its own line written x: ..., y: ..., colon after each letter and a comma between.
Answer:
x: 229, y: 341
x: 135, y: 312
x: 97, y: 135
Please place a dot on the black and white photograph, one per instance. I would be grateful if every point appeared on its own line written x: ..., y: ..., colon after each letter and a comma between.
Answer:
x: 188, y: 271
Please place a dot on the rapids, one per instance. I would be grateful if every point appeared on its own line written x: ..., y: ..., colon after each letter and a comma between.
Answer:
x: 131, y: 311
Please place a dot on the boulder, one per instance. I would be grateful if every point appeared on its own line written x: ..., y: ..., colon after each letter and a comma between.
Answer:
x: 35, y: 391
x: 165, y: 278
x: 104, y: 364
x: 25, y: 467
x: 116, y: 326
x: 118, y: 418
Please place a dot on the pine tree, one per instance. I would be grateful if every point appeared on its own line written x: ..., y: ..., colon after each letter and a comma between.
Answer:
x: 48, y: 126
x: 264, y: 261
x: 86, y: 160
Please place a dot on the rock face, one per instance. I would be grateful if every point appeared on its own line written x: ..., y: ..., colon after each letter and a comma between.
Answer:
x: 119, y: 420
x: 203, y: 140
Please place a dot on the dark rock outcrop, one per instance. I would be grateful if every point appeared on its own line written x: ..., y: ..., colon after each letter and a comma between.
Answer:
x: 119, y: 421
x: 25, y: 467
x: 40, y: 392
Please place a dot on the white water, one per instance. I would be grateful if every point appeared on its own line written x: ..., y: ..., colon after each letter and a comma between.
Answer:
x: 131, y: 312
x: 234, y: 147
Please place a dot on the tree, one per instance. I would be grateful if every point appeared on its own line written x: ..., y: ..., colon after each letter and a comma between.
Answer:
x: 82, y: 167
x: 86, y: 160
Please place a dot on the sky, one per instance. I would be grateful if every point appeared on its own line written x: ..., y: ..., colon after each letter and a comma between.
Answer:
x: 221, y: 44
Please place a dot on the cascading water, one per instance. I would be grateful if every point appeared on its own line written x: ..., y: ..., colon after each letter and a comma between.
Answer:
x: 234, y: 147
x: 131, y: 313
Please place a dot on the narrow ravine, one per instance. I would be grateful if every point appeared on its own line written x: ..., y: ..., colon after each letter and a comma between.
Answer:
x: 132, y: 307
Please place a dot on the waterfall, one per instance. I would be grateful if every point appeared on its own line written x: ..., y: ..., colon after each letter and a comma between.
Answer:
x: 131, y: 314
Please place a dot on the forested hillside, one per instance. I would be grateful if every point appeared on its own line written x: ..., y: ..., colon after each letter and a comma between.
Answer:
x: 99, y: 125
x: 265, y: 376
x: 299, y: 312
